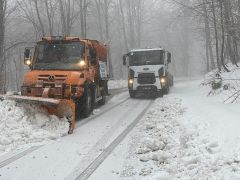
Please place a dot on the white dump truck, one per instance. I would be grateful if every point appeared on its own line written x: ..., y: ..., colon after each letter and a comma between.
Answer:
x: 148, y: 71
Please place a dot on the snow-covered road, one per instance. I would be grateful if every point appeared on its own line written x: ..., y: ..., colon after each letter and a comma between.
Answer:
x: 73, y: 154
x: 184, y: 135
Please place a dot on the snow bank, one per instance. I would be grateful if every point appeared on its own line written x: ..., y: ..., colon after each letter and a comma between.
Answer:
x: 117, y: 84
x: 167, y: 146
x: 229, y: 91
x: 25, y: 125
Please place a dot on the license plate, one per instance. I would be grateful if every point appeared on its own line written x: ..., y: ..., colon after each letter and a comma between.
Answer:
x: 146, y: 88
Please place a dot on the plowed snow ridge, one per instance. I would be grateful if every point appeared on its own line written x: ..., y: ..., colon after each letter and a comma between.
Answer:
x: 27, y: 125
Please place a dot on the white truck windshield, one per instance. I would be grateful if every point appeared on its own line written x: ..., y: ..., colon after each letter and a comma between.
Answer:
x: 139, y: 58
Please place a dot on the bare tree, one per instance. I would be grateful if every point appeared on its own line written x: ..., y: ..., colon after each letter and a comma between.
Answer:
x: 123, y: 25
x: 83, y: 7
x: 209, y: 50
x: 50, y: 10
x: 3, y: 5
x: 68, y: 15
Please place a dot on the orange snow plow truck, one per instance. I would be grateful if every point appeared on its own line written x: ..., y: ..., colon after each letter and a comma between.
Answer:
x: 68, y: 76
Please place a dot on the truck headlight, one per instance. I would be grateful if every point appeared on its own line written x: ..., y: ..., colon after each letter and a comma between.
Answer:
x: 82, y: 63
x: 28, y: 62
x: 162, y: 80
x: 130, y: 81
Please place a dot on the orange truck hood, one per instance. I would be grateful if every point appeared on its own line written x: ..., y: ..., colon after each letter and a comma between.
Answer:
x: 68, y: 77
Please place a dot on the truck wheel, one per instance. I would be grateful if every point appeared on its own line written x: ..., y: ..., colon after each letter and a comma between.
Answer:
x: 103, y: 100
x: 166, y: 90
x: 86, y: 105
x: 106, y: 89
x: 93, y: 93
x: 159, y: 94
x: 132, y: 94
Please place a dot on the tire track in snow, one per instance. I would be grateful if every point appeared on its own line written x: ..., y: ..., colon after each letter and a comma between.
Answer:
x: 85, y: 121
x: 89, y: 170
x: 18, y: 156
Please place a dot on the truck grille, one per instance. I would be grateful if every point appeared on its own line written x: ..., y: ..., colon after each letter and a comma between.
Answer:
x: 146, y: 78
x: 55, y: 77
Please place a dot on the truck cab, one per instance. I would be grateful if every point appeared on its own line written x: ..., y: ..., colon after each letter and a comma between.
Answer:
x: 148, y: 71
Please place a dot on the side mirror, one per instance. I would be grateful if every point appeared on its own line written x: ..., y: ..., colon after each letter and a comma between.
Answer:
x: 169, y: 57
x: 125, y: 60
x: 27, y: 57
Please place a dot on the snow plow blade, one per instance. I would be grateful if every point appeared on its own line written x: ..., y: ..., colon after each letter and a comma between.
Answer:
x: 59, y: 107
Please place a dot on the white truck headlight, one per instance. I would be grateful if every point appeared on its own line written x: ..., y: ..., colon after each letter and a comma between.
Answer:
x: 163, y: 80
x: 130, y: 81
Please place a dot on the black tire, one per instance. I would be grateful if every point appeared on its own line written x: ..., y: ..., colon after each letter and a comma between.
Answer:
x: 132, y: 94
x: 93, y: 91
x: 106, y: 88
x: 165, y: 90
x: 86, y: 106
x: 103, y: 100
x: 171, y: 82
x: 159, y: 94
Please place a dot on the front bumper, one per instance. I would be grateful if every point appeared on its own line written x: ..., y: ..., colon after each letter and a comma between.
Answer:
x: 56, y: 92
x: 156, y: 86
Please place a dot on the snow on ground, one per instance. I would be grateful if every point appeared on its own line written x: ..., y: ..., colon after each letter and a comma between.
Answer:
x: 117, y: 84
x: 188, y: 134
x: 190, y: 138
x: 176, y: 149
x: 27, y: 125
x: 229, y: 91
x: 185, y: 135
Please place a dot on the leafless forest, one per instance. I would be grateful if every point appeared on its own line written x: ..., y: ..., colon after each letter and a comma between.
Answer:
x: 201, y: 34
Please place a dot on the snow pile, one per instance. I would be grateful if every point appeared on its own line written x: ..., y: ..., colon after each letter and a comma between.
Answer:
x: 117, y: 84
x: 24, y: 125
x: 229, y: 91
x: 167, y: 147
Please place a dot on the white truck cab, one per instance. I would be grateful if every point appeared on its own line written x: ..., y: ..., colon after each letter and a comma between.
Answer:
x: 148, y: 71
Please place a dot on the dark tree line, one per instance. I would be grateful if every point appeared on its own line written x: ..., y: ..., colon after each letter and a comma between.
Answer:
x: 221, y: 19
x: 122, y: 25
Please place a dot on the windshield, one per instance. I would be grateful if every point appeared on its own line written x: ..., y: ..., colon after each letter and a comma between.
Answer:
x: 58, y: 56
x: 146, y: 58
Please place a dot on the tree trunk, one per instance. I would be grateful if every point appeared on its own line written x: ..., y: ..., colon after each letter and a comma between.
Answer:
x: 123, y: 25
x: 83, y: 17
x: 226, y: 5
x: 107, y: 38
x: 39, y: 18
x: 49, y: 16
x: 209, y: 50
x: 2, y: 40
x: 216, y: 34
x: 223, y: 37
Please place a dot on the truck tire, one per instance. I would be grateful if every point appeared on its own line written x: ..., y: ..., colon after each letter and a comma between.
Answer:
x: 103, y: 100
x: 165, y: 90
x: 159, y: 94
x: 171, y: 82
x: 132, y: 94
x: 106, y: 88
x: 86, y: 106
